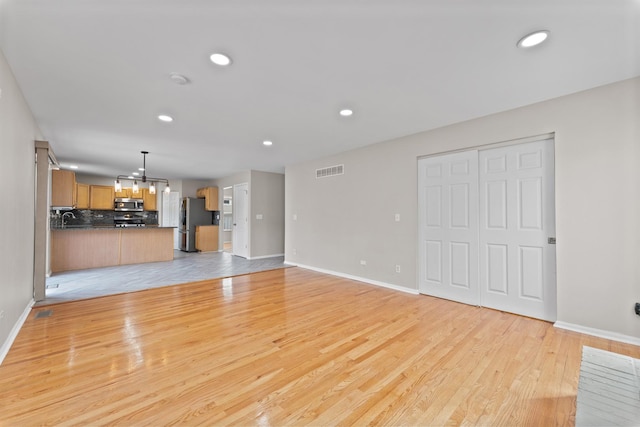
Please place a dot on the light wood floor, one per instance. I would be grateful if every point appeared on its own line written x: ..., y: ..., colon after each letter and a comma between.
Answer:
x: 289, y: 347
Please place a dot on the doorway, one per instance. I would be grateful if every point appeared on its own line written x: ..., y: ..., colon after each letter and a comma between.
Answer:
x: 487, y: 228
x: 227, y: 219
x: 241, y: 220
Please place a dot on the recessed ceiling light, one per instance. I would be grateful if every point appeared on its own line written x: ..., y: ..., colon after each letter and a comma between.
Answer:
x: 141, y: 169
x: 220, y: 59
x: 165, y: 118
x: 267, y: 143
x: 346, y: 112
x: 178, y: 78
x: 533, y: 39
x: 129, y: 177
x: 135, y: 174
x: 73, y: 167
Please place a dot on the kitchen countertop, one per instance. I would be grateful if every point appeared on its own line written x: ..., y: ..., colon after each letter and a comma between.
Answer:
x: 107, y: 227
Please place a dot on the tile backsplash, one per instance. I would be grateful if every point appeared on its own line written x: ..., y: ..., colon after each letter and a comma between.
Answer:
x: 93, y: 218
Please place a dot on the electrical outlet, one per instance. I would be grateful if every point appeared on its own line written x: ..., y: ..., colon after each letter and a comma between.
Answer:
x: 638, y: 308
x: 397, y: 268
x: 295, y: 251
x: 397, y: 217
x: 363, y: 262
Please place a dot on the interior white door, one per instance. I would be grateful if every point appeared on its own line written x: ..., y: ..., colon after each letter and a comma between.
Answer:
x: 448, y: 220
x: 241, y: 220
x: 170, y: 214
x: 517, y: 217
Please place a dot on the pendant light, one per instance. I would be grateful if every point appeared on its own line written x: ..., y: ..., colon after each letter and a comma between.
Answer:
x: 144, y: 179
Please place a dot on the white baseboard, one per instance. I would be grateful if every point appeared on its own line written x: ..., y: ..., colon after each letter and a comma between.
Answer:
x: 265, y: 256
x: 359, y: 279
x: 614, y: 336
x: 4, y: 350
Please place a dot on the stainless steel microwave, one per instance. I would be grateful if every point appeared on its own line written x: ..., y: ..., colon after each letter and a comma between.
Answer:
x: 129, y: 205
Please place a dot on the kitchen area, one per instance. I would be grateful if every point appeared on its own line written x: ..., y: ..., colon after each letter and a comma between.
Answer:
x: 104, y: 225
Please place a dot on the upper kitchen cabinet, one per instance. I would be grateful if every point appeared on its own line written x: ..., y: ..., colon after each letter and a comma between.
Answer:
x: 124, y: 194
x: 150, y: 200
x: 210, y: 196
x: 82, y: 198
x: 101, y: 197
x: 63, y: 189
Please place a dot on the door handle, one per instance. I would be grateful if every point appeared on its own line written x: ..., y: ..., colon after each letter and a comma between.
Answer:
x: 551, y: 240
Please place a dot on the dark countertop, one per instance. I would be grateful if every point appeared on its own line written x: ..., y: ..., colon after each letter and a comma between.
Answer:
x: 107, y: 227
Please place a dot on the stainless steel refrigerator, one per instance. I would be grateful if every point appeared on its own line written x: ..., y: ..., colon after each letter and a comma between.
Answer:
x: 192, y: 213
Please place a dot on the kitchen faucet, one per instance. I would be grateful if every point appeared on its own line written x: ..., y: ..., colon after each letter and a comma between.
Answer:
x: 67, y: 213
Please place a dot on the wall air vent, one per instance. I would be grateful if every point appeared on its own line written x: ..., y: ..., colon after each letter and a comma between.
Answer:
x: 330, y: 171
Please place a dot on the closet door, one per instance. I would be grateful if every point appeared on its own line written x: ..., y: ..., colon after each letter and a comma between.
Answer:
x: 517, y: 218
x: 448, y: 222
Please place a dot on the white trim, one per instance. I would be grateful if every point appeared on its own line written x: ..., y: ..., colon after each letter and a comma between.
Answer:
x: 265, y: 256
x: 357, y: 278
x: 614, y: 336
x: 4, y: 350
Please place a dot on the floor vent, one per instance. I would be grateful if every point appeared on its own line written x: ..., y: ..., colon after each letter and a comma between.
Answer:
x: 608, y: 389
x: 52, y: 286
x: 44, y: 313
x: 330, y: 171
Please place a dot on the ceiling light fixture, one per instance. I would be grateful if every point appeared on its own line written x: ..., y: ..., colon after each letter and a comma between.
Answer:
x: 145, y: 178
x: 220, y: 59
x: 346, y: 112
x: 267, y: 143
x: 73, y: 167
x: 165, y: 118
x: 533, y: 39
x: 178, y: 79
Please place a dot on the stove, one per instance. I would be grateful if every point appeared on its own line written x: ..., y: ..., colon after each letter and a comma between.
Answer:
x: 128, y: 220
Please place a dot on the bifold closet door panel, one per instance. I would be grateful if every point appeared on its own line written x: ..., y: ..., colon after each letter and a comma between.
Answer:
x: 448, y: 222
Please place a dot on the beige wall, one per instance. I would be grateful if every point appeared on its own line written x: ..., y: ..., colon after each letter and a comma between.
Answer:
x: 344, y: 219
x: 18, y: 131
x: 266, y: 197
x: 267, y: 200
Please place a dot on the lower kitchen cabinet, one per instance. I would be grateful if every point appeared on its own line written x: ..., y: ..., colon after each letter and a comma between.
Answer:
x: 78, y: 249
x: 207, y: 238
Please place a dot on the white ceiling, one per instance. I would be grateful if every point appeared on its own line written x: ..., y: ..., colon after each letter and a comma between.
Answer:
x: 96, y: 73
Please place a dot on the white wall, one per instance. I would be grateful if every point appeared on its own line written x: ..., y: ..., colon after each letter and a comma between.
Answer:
x: 344, y: 219
x: 18, y: 131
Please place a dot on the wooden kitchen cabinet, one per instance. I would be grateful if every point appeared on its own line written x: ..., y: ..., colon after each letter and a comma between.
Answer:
x: 150, y: 200
x: 210, y: 196
x: 124, y: 194
x: 75, y: 249
x: 63, y: 189
x: 82, y: 196
x: 101, y: 197
x: 207, y: 238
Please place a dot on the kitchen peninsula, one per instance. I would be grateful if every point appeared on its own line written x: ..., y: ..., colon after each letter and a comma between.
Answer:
x: 77, y: 248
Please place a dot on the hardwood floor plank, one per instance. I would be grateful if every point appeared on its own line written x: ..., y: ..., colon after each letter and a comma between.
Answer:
x: 289, y: 347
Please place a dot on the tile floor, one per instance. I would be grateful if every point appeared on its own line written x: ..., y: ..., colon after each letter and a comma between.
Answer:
x: 185, y: 267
